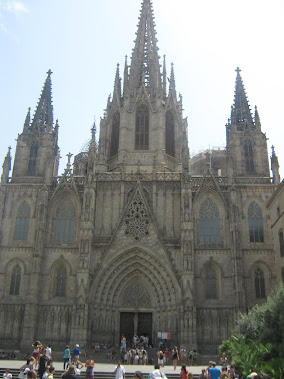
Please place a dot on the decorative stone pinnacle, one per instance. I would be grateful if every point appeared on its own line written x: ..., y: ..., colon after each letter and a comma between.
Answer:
x: 69, y: 155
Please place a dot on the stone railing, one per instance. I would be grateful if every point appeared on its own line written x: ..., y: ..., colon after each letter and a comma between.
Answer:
x: 253, y: 180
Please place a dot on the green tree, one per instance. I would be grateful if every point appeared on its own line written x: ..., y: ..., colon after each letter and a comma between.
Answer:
x: 258, y: 341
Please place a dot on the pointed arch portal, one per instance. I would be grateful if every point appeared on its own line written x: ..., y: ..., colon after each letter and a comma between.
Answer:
x: 135, y: 293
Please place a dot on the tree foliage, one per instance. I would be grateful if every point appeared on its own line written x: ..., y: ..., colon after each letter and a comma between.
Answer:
x: 258, y: 341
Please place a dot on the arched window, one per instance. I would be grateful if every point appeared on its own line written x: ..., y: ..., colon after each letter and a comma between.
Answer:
x: 32, y: 159
x: 259, y: 283
x: 255, y: 223
x: 15, y: 280
x: 281, y: 243
x: 22, y: 222
x: 142, y: 128
x: 65, y: 222
x: 60, y: 282
x: 209, y: 223
x: 170, y: 134
x: 211, y: 284
x: 249, y: 157
x: 115, y: 134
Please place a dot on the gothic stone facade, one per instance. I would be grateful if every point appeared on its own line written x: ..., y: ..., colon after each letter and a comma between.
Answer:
x: 137, y: 237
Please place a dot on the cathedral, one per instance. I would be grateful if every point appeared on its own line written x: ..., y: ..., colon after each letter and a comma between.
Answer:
x: 136, y: 236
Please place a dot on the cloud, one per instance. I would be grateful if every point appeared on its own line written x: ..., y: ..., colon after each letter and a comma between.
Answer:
x: 13, y: 6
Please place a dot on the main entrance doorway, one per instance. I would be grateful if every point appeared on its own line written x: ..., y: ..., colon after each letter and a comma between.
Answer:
x: 136, y: 323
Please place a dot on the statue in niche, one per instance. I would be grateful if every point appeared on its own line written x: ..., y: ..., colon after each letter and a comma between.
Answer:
x: 186, y: 208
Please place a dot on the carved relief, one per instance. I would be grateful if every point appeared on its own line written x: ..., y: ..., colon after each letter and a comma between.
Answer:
x: 136, y: 296
x: 137, y: 218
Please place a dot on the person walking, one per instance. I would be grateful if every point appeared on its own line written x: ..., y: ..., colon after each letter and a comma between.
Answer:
x: 90, y: 364
x: 175, y: 357
x: 214, y: 372
x: 66, y: 357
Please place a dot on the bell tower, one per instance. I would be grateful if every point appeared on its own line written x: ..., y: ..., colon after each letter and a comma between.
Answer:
x: 246, y: 144
x: 37, y: 150
x: 143, y: 127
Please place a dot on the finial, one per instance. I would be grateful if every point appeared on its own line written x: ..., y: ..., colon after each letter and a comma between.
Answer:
x: 9, y: 150
x: 69, y: 155
x: 49, y: 72
x: 238, y: 70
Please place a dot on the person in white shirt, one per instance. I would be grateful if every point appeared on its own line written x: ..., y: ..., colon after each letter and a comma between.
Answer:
x: 119, y: 371
x: 48, y: 353
x: 7, y: 374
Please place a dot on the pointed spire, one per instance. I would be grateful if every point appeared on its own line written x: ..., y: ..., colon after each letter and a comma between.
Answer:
x: 173, y: 82
x: 117, y: 82
x: 93, y: 144
x: 125, y: 78
x: 6, y: 167
x: 275, y: 167
x: 43, y: 117
x: 241, y: 111
x: 145, y: 67
x: 27, y: 121
x: 257, y: 119
x: 164, y: 76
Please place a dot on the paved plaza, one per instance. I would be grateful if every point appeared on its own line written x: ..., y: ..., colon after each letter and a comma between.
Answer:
x: 106, y: 367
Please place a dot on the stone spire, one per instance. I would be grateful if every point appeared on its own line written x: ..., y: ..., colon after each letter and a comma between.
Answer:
x: 145, y: 67
x: 241, y: 112
x: 125, y: 76
x: 164, y: 76
x: 27, y: 121
x: 172, y: 88
x: 6, y: 167
x: 257, y: 119
x: 275, y: 167
x: 43, y: 117
x: 117, y: 82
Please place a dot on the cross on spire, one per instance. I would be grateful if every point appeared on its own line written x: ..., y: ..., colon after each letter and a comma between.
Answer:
x: 238, y: 70
x: 49, y: 72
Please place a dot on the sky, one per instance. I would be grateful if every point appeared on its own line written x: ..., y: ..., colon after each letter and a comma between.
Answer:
x: 82, y: 41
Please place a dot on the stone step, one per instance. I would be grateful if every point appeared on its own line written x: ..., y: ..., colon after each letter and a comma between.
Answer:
x: 97, y: 375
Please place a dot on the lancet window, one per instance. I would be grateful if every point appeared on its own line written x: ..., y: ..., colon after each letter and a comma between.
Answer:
x: 114, y: 144
x: 142, y: 128
x: 211, y: 284
x: 22, y: 222
x: 249, y: 157
x: 255, y: 220
x: 259, y: 282
x: 60, y: 282
x: 282, y: 274
x: 65, y: 222
x: 209, y: 223
x: 15, y: 280
x: 32, y: 159
x: 170, y: 134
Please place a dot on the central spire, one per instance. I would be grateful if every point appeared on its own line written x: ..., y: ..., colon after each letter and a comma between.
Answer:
x: 145, y: 67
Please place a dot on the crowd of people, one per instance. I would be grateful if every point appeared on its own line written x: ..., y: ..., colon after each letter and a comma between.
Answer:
x: 39, y: 364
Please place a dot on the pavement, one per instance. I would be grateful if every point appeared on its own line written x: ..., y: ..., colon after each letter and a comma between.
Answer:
x: 107, y: 367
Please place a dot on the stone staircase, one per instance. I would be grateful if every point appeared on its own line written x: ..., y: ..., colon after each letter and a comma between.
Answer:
x: 97, y: 375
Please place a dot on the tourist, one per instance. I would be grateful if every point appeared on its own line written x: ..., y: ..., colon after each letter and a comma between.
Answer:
x: 90, y: 364
x: 76, y: 352
x: 70, y: 373
x: 156, y: 373
x: 182, y: 354
x: 214, y: 372
x: 51, y: 372
x: 190, y: 357
x: 78, y: 366
x: 183, y: 372
x: 232, y: 372
x: 252, y: 374
x: 224, y: 373
x: 223, y: 360
x: 138, y: 375
x: 36, y: 346
x: 203, y: 374
x: 175, y: 357
x: 42, y: 364
x: 119, y: 371
x: 161, y: 356
x: 66, y: 357
x: 7, y: 374
x: 48, y: 354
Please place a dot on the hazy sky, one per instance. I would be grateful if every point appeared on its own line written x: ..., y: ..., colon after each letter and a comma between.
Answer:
x: 83, y: 40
